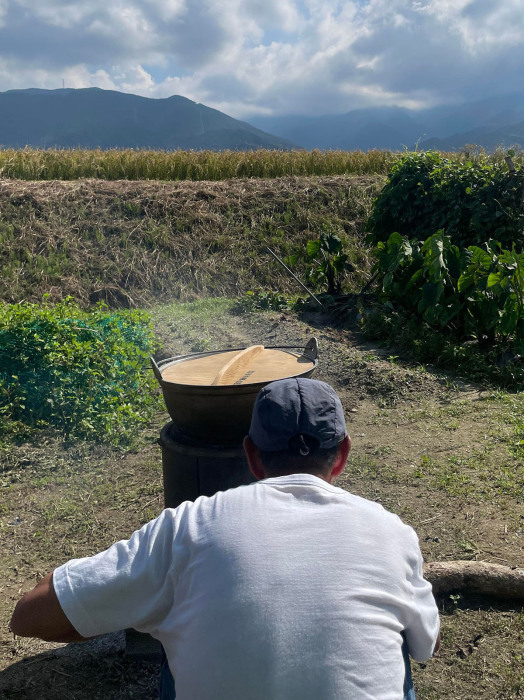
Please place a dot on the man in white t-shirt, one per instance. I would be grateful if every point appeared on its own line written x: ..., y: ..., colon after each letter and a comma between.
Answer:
x: 287, y: 589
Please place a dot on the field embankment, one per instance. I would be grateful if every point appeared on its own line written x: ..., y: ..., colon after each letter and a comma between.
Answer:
x: 132, y: 243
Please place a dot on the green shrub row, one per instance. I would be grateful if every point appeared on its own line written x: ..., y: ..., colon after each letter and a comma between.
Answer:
x: 75, y: 371
x: 472, y: 201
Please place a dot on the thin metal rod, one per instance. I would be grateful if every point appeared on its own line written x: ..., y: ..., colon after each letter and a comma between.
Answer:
x: 286, y: 268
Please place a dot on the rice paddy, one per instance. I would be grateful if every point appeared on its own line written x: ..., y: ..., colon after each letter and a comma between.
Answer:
x: 143, y: 164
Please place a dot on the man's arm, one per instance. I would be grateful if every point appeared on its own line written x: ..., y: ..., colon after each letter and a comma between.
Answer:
x: 39, y: 614
x: 127, y: 585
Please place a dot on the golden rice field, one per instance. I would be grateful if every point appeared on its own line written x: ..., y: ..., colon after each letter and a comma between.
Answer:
x: 143, y: 164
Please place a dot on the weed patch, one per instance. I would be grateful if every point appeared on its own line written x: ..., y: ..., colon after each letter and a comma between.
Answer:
x: 426, y: 345
x: 262, y: 300
x: 80, y: 373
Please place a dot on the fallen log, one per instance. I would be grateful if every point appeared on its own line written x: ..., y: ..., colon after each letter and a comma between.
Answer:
x: 476, y: 577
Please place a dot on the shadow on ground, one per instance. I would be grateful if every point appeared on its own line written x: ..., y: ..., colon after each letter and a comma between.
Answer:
x: 96, y: 670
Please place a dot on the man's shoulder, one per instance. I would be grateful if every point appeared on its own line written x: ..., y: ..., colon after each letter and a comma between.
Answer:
x: 309, y: 484
x: 300, y: 487
x: 376, y: 510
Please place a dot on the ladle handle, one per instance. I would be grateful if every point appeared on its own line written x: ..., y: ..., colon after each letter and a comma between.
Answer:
x: 237, y: 365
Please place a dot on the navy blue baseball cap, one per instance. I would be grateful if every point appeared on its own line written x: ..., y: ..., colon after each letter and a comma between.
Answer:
x: 298, y: 406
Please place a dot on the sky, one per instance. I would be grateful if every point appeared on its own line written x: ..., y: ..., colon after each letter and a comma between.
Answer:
x: 268, y: 57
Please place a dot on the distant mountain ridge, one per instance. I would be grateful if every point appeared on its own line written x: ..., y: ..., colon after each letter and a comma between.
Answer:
x: 491, y: 122
x: 95, y: 118
x: 511, y: 135
x: 385, y: 127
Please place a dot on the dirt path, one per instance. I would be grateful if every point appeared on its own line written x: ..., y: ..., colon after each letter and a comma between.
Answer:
x: 442, y: 454
x: 431, y: 447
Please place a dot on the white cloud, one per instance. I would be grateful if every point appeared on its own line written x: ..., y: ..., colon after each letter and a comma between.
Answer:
x: 66, y: 15
x: 166, y: 10
x: 136, y: 80
x: 481, y: 23
x: 13, y: 76
x: 80, y: 77
x: 268, y: 56
x: 282, y: 14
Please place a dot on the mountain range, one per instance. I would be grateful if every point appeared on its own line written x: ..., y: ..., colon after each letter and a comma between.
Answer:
x: 491, y: 122
x: 95, y: 118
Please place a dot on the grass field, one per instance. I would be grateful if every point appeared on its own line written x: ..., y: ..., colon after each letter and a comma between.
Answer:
x: 126, y: 164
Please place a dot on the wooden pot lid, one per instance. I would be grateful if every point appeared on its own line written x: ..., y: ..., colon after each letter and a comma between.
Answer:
x: 252, y: 365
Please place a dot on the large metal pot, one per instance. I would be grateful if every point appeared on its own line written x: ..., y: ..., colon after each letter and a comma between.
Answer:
x: 220, y: 414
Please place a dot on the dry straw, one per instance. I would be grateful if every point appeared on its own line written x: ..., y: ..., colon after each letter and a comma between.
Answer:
x: 131, y: 243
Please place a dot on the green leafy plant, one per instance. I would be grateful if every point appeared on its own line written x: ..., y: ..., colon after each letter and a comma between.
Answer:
x: 493, y: 284
x: 421, y: 276
x: 328, y: 264
x: 75, y: 371
x: 458, y: 308
x: 261, y: 300
x: 455, y: 598
x: 472, y: 293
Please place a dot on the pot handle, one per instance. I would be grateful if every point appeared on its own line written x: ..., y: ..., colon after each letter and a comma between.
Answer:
x: 311, y: 349
x: 156, y: 371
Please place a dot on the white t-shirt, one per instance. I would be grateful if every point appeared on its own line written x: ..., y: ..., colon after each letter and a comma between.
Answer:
x: 286, y: 589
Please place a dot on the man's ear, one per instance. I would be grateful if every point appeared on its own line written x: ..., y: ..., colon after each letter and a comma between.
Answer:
x: 341, y: 458
x: 253, y: 458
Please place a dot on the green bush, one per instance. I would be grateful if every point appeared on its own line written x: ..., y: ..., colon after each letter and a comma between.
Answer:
x: 471, y: 201
x: 75, y: 371
x: 472, y: 293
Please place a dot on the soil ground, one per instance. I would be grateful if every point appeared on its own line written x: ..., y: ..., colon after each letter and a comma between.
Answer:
x: 445, y: 455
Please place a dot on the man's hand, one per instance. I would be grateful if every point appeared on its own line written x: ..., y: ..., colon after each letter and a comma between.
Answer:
x: 39, y: 614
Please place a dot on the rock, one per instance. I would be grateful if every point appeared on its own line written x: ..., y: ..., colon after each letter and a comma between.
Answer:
x: 476, y: 577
